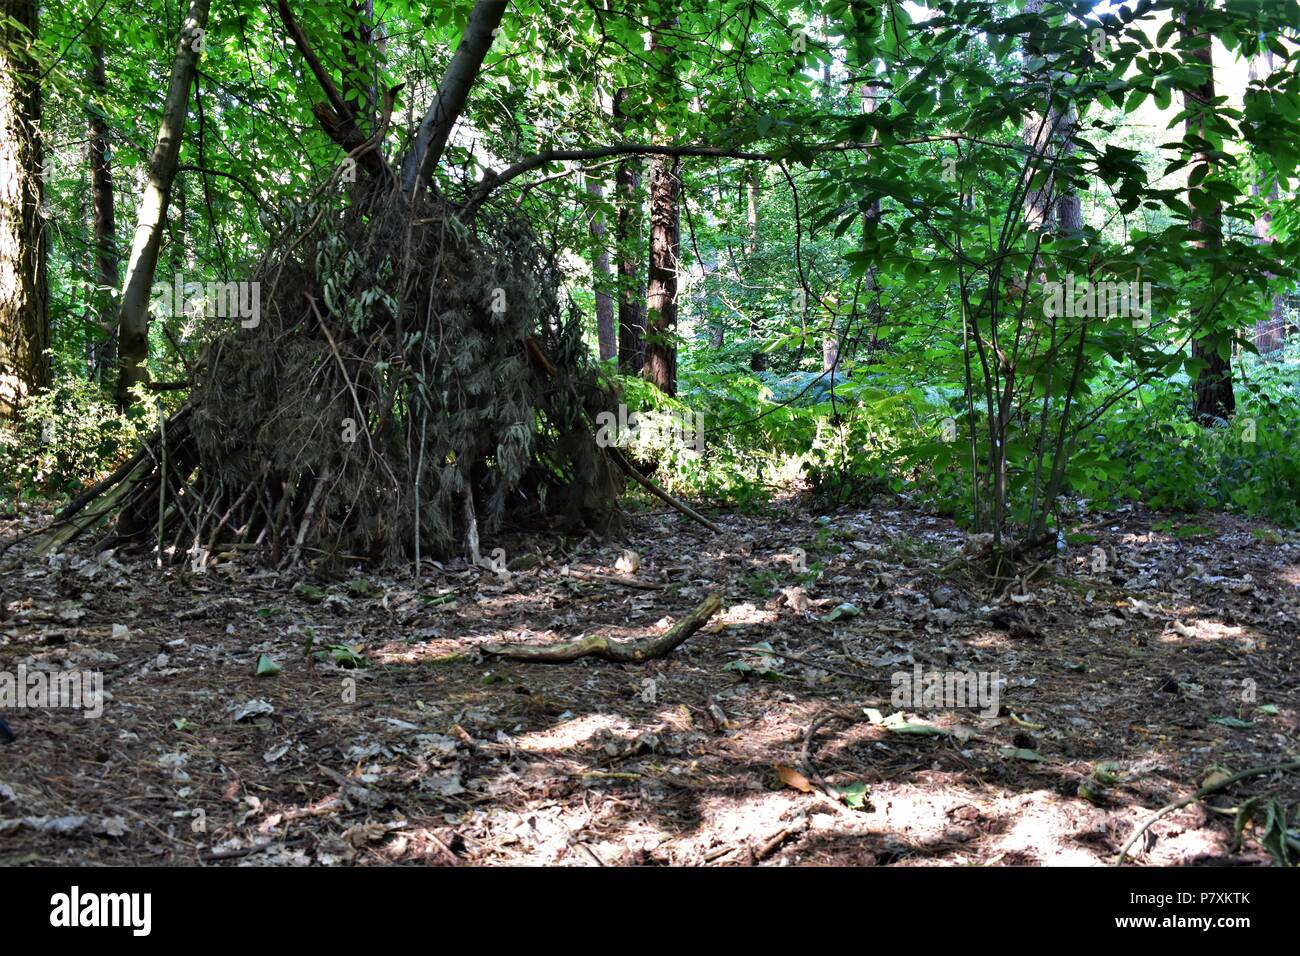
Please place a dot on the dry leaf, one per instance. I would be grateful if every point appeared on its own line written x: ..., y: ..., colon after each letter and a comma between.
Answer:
x: 793, y: 778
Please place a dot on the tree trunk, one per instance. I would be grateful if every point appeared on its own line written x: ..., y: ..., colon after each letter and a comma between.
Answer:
x: 24, y: 293
x: 1052, y: 206
x: 660, y: 366
x: 632, y: 294
x: 104, y: 347
x: 707, y: 296
x: 453, y: 91
x: 757, y: 358
x: 1213, y: 396
x: 1269, y: 337
x: 602, y: 277
x: 830, y: 351
x: 151, y: 220
x: 1069, y: 206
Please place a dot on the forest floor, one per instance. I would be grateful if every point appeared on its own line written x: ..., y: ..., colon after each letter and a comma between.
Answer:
x: 1150, y: 653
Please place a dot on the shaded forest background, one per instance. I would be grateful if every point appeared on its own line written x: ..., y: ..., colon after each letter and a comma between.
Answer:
x: 827, y: 243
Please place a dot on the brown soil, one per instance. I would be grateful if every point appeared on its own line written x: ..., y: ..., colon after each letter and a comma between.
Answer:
x: 446, y: 757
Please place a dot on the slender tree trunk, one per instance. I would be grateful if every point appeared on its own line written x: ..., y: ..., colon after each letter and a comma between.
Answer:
x: 707, y: 296
x: 602, y: 277
x: 24, y: 293
x: 1055, y: 206
x: 708, y: 300
x: 1043, y: 136
x: 104, y: 346
x: 1269, y: 338
x: 660, y: 366
x: 757, y: 358
x: 628, y: 227
x: 831, y: 339
x: 830, y: 351
x: 1214, y: 396
x: 717, y: 335
x: 1069, y: 205
x: 151, y: 220
x: 1268, y: 331
x: 453, y: 91
x: 89, y: 318
x: 1064, y: 125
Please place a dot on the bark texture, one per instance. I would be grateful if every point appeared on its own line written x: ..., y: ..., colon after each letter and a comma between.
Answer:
x: 151, y: 219
x: 660, y: 366
x: 103, y: 357
x: 1213, y: 394
x: 24, y: 294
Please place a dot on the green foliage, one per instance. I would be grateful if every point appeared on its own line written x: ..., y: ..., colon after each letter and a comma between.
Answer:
x: 718, y: 442
x: 67, y: 437
x: 344, y: 656
x: 1151, y: 450
x: 765, y: 582
x: 889, y: 217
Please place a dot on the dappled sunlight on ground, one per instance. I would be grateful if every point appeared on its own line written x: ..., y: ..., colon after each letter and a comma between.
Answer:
x: 389, y: 736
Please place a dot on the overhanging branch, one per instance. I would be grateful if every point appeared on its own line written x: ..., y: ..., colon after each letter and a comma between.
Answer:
x: 493, y: 180
x: 336, y: 118
x: 453, y: 90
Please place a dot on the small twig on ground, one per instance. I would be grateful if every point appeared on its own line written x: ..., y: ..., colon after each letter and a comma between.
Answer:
x: 810, y: 662
x: 443, y: 849
x: 214, y: 856
x: 806, y: 757
x: 1199, y: 795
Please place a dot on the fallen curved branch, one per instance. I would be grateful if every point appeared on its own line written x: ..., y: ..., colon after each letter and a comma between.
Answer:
x: 621, y: 460
x: 544, y: 362
x: 620, y: 652
x: 1198, y: 795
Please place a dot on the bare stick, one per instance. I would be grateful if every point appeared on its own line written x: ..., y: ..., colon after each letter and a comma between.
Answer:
x: 307, y: 517
x: 1200, y: 794
x: 659, y: 493
x: 621, y: 652
x: 624, y: 579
